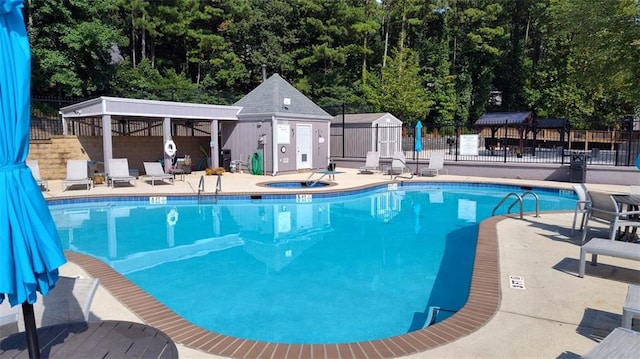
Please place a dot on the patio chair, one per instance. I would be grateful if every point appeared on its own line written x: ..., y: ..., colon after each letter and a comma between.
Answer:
x: 582, y: 206
x: 154, y: 171
x: 35, y: 170
x: 119, y: 172
x: 77, y: 173
x: 372, y: 162
x: 605, y: 209
x: 399, y: 166
x: 620, y: 343
x: 436, y: 164
x: 69, y: 301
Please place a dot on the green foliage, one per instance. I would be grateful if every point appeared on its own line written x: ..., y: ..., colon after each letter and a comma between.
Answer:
x: 436, y: 60
x: 403, y: 93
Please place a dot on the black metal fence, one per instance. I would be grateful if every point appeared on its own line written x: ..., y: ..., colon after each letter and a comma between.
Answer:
x: 502, y: 144
x: 507, y: 145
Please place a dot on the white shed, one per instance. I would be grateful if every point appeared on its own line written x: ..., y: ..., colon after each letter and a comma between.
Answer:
x: 364, y: 132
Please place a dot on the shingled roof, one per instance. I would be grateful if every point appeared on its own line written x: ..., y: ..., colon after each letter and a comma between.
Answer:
x: 502, y: 118
x: 360, y: 117
x: 275, y: 96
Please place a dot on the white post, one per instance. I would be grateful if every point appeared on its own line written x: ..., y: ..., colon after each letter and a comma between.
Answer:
x: 166, y: 136
x: 107, y: 142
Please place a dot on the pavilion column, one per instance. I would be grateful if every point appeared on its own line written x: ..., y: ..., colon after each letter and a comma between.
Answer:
x: 214, y: 146
x: 107, y: 141
x: 166, y: 136
x: 65, y: 129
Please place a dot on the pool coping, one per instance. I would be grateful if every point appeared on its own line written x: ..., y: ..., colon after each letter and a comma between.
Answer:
x: 481, y: 306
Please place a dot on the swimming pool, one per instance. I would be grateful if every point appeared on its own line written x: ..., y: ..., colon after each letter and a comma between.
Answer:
x: 377, y: 249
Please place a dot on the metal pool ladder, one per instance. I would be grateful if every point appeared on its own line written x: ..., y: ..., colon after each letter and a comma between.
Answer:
x: 201, y: 187
x: 518, y: 201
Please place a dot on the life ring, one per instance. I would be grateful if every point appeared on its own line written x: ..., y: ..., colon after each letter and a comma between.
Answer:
x: 170, y: 148
x: 172, y: 217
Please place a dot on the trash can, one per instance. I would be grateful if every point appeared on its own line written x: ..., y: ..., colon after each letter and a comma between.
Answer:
x: 578, y: 168
x: 225, y: 159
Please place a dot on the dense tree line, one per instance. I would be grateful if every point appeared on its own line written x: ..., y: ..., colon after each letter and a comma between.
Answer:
x: 440, y: 61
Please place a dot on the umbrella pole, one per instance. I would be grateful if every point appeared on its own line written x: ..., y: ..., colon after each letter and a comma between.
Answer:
x: 30, y: 329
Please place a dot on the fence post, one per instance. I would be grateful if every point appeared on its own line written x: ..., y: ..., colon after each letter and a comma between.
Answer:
x: 343, y: 144
x: 562, y: 140
x: 457, y: 135
x: 504, y: 139
x: 630, y: 137
x: 377, y: 137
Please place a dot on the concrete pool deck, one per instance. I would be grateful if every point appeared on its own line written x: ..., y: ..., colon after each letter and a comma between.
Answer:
x: 558, y: 314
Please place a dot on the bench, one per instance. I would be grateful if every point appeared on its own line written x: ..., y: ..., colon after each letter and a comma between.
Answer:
x: 631, y: 307
x: 607, y: 247
x: 620, y: 343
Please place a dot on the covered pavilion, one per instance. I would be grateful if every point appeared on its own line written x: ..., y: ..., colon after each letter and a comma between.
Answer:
x: 112, y: 112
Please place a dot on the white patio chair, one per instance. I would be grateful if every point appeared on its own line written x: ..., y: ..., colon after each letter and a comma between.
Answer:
x: 372, y: 162
x: 605, y: 209
x: 620, y: 343
x: 582, y: 206
x: 119, y: 172
x: 436, y: 164
x: 77, y: 173
x: 154, y: 171
x: 35, y: 170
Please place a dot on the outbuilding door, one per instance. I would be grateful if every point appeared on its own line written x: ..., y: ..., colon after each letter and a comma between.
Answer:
x: 303, y: 147
x: 389, y: 138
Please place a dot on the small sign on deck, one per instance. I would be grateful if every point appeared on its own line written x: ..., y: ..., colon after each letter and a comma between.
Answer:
x: 516, y: 282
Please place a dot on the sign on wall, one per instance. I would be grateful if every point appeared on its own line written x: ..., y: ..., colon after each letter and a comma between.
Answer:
x: 284, y: 133
x: 469, y: 145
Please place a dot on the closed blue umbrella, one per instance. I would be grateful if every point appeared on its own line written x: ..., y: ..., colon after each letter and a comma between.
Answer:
x: 418, y: 147
x: 30, y: 250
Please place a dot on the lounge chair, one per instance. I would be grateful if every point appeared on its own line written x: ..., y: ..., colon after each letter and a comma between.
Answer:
x: 582, y: 206
x: 631, y: 306
x: 77, y: 173
x: 399, y: 166
x: 372, y: 163
x: 605, y: 209
x: 607, y: 247
x: 69, y: 301
x: 620, y: 343
x: 436, y: 164
x: 154, y: 171
x: 119, y: 172
x: 35, y: 170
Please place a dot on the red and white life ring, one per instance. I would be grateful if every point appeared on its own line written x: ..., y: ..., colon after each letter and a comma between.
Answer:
x: 170, y: 148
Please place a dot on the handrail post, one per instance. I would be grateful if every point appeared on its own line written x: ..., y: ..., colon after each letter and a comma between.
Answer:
x: 201, y: 185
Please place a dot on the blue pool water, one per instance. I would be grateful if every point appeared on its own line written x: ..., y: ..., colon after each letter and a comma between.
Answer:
x: 321, y: 269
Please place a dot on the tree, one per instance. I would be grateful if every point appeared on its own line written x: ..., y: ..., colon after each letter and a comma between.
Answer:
x: 477, y: 40
x: 72, y: 46
x: 586, y: 67
x: 401, y: 90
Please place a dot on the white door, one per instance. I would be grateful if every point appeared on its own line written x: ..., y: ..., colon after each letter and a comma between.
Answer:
x: 388, y: 140
x: 303, y: 147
